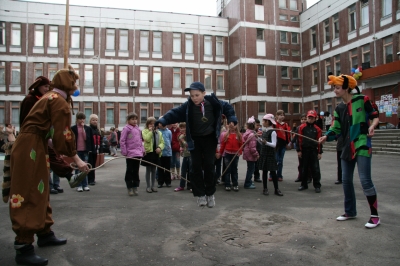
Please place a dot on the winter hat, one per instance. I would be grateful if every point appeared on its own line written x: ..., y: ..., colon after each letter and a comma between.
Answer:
x: 39, y: 81
x: 270, y: 117
x: 346, y: 81
x: 93, y: 116
x: 251, y: 120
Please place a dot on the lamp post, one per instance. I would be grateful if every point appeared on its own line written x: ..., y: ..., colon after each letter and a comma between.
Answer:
x: 66, y: 35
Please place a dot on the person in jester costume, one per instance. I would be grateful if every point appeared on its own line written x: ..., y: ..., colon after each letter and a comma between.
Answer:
x: 30, y: 210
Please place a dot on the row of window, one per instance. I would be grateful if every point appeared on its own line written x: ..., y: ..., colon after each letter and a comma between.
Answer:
x: 283, y: 36
x: 282, y: 4
x: 285, y: 70
x: 111, y: 37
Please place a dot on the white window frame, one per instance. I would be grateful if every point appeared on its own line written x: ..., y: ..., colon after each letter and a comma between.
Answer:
x: 110, y: 39
x: 296, y: 73
x: 110, y: 113
x: 89, y: 38
x: 15, y: 73
x: 2, y: 33
x: 364, y: 14
x: 52, y: 70
x: 53, y: 36
x: 157, y: 77
x: 144, y: 41
x: 353, y: 58
x: 282, y: 4
x: 366, y: 50
x: 15, y: 34
x: 207, y: 45
x: 88, y: 76
x: 208, y: 79
x: 219, y: 46
x: 123, y: 76
x: 314, y: 68
x: 176, y: 43
x: 189, y: 43
x: 176, y: 82
x: 220, y: 79
x: 293, y: 5
x: 261, y: 70
x: 295, y: 38
x: 144, y: 77
x: 283, y: 37
x: 386, y: 8
x: 352, y: 18
x: 335, y: 28
x: 188, y: 77
x: 110, y: 76
x: 39, y: 36
x: 284, y: 72
x: 313, y: 36
x: 388, y: 45
x: 157, y: 41
x: 75, y: 37
x: 327, y: 33
x: 123, y: 40
x: 37, y: 67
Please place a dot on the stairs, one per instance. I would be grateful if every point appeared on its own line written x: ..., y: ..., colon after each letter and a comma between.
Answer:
x: 385, y: 141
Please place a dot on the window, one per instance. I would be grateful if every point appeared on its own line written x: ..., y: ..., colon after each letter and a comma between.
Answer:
x: 123, y: 40
x: 220, y: 79
x: 188, y: 77
x: 156, y: 110
x: 2, y: 74
x: 15, y: 113
x: 110, y: 39
x: 314, y: 74
x: 353, y: 58
x: 364, y: 13
x: 335, y: 22
x: 144, y: 41
x: 39, y: 35
x: 284, y: 38
x: 283, y: 17
x: 293, y: 4
x: 110, y: 113
x: 16, y: 34
x: 260, y: 34
x: 295, y: 72
x: 143, y: 112
x: 284, y: 72
x: 282, y: 3
x: 296, y: 108
x: 2, y: 112
x: 123, y: 76
x: 294, y: 18
x: 328, y: 68
x: 53, y: 68
x: 123, y: 112
x: 109, y: 76
x: 207, y: 78
x: 388, y: 49
x: 352, y: 18
x: 284, y: 52
x: 156, y: 77
x: 207, y: 45
x: 327, y: 34
x: 366, y: 53
x: 285, y: 107
x: 75, y: 37
x: 76, y: 68
x: 258, y: 2
x: 316, y: 106
x: 37, y: 70
x: 157, y: 41
x: 189, y: 43
x: 261, y: 107
x: 386, y: 8
x: 88, y: 109
x: 177, y: 78
x: 261, y: 70
x: 219, y: 46
x: 144, y: 77
x: 295, y: 38
x: 285, y: 88
x: 313, y: 38
x: 88, y: 75
x: 89, y: 38
x: 176, y: 43
x: 53, y: 36
x: 337, y: 65
x: 2, y: 33
x: 296, y: 88
x: 295, y: 53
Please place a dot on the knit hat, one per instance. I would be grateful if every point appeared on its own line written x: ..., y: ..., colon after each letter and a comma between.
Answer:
x: 93, y: 116
x: 251, y: 120
x: 270, y: 117
x: 39, y: 81
x: 346, y: 81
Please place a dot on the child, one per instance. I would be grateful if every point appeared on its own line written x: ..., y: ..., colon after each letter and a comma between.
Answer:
x: 84, y: 145
x: 113, y: 142
x: 153, y: 145
x: 132, y: 147
x: 303, y: 120
x: 175, y: 157
x: 267, y: 161
x: 257, y: 128
x: 165, y: 160
x: 310, y: 152
x: 231, y: 145
x: 250, y: 153
x: 186, y: 162
x: 282, y: 144
x: 97, y: 143
x: 202, y: 114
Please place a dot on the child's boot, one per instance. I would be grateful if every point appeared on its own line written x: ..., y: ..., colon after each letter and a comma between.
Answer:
x: 26, y: 255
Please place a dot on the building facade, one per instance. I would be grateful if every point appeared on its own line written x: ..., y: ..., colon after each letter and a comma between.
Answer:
x: 259, y: 55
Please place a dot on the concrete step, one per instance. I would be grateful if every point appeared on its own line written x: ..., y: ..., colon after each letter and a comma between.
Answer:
x: 387, y: 133
x: 385, y: 138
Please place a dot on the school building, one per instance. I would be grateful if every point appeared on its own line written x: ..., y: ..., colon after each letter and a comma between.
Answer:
x: 258, y: 55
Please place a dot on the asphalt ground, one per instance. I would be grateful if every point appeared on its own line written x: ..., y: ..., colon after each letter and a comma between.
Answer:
x: 107, y: 227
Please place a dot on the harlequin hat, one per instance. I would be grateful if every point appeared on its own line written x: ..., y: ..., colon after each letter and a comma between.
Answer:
x: 270, y: 117
x: 346, y: 81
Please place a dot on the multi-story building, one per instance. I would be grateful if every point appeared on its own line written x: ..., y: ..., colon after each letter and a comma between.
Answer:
x: 259, y: 55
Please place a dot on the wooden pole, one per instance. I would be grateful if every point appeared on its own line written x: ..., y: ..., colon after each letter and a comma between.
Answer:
x: 66, y: 36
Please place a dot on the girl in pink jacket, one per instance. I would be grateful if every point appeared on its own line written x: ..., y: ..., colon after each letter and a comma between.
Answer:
x: 250, y: 153
x: 132, y: 147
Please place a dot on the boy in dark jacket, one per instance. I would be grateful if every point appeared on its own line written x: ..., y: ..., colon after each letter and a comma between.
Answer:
x: 202, y: 114
x: 310, y: 151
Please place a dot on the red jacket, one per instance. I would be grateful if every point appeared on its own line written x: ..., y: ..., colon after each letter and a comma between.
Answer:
x: 282, y: 134
x: 175, y: 139
x: 231, y: 145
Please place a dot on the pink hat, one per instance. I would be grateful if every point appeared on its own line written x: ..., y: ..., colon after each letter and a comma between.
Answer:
x: 251, y: 120
x: 270, y: 117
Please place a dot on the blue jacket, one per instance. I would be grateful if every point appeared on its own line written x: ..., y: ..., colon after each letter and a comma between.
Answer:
x: 167, y: 136
x: 183, y: 112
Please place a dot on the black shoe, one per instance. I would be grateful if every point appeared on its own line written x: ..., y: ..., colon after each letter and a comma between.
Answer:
x: 265, y: 191
x: 159, y: 186
x: 92, y: 183
x: 26, y: 255
x: 297, y: 180
x: 278, y: 192
x: 258, y: 180
x: 53, y: 191
x: 59, y: 190
x: 317, y: 190
x: 50, y: 240
x: 168, y: 185
x: 302, y: 188
x: 309, y: 181
x: 338, y: 182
